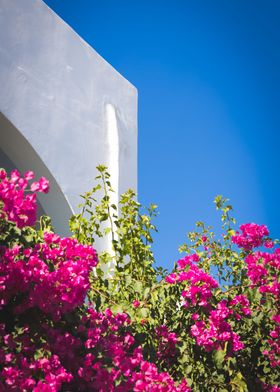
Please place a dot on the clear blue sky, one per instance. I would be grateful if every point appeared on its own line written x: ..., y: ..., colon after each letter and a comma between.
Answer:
x: 208, y: 78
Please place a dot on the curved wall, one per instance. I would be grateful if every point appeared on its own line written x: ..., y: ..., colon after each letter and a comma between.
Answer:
x: 59, y: 101
x: 16, y: 152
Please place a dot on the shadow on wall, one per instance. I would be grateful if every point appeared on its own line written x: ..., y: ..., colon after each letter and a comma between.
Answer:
x: 17, y: 152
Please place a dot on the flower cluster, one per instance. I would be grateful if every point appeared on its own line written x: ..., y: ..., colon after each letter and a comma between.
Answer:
x: 263, y: 269
x: 241, y: 306
x: 49, y: 339
x: 273, y: 352
x: 53, y: 276
x: 273, y: 343
x: 270, y: 388
x: 166, y: 343
x: 24, y: 368
x: 120, y: 362
x: 99, y: 355
x: 251, y: 236
x: 218, y: 331
x: 213, y: 332
x: 53, y: 339
x: 19, y: 206
x: 199, y: 284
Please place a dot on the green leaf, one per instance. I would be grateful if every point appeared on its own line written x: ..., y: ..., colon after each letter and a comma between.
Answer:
x: 218, y: 357
x: 144, y: 312
x: 117, y: 308
x: 240, y: 382
x: 138, y: 287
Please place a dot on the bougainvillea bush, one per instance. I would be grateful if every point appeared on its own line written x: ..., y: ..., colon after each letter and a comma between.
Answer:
x: 74, y: 321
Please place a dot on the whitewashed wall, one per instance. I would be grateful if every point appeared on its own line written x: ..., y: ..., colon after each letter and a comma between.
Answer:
x: 64, y: 108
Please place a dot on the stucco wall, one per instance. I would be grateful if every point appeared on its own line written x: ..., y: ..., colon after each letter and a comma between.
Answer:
x: 70, y: 106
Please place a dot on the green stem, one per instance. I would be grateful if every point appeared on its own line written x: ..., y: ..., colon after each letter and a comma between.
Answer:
x: 108, y: 208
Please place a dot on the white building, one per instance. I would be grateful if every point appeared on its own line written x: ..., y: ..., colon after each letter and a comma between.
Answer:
x: 64, y: 109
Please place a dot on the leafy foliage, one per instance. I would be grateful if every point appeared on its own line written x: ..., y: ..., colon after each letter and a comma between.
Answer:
x: 143, y: 290
x: 124, y: 323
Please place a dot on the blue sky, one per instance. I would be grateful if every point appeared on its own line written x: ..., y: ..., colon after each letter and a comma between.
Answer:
x: 208, y: 78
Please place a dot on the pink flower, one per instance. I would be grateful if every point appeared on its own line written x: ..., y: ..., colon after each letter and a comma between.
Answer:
x: 29, y: 175
x: 172, y: 278
x: 252, y: 236
x: 276, y: 318
x: 18, y: 206
x: 136, y: 303
x: 187, y: 260
x: 40, y: 186
x: 269, y: 244
x: 243, y: 303
x: 218, y: 331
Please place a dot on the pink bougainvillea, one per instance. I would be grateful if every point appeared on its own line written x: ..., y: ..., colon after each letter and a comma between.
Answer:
x: 218, y: 331
x: 251, y: 236
x: 50, y: 339
x: 198, y: 284
x: 167, y: 343
x: 53, y: 276
x: 55, y: 337
x: 18, y: 205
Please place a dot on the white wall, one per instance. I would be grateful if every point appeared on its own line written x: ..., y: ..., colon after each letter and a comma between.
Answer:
x: 64, y: 102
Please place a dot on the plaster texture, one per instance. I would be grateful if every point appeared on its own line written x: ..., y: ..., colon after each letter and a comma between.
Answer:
x: 64, y: 108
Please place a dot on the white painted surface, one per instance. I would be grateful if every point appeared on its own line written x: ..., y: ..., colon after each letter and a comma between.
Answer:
x: 70, y: 107
x: 114, y: 150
